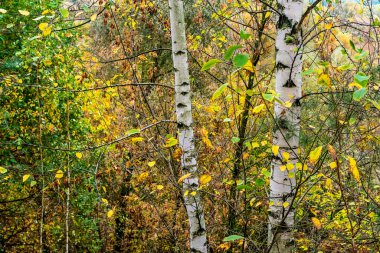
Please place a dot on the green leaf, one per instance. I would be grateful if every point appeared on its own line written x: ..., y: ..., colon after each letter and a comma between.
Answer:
x: 259, y: 182
x: 249, y: 92
x: 230, y: 51
x: 268, y: 97
x: 244, y: 35
x: 352, y: 45
x: 235, y: 139
x: 133, y: 131
x: 359, y: 94
x: 64, y: 13
x: 33, y: 183
x: 210, y: 64
x: 244, y: 187
x: 360, y: 56
x: 308, y: 72
x: 361, y: 79
x: 240, y: 60
x: 232, y: 238
x: 219, y: 91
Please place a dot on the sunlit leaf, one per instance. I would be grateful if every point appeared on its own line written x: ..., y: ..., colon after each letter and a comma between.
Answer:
x: 93, y: 17
x: 333, y: 165
x: 171, y: 142
x: 235, y: 139
x: 258, y: 108
x: 160, y: 187
x: 133, y: 131
x: 244, y: 35
x: 3, y: 11
x: 79, y: 155
x: 105, y: 201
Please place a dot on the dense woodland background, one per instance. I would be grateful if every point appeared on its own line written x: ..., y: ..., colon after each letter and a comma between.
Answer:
x: 89, y: 153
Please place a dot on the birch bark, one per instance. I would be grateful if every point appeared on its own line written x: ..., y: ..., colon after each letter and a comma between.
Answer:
x: 286, y: 134
x: 198, y: 240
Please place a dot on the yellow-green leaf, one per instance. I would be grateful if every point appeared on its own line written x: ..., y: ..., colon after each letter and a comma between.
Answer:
x: 105, y: 201
x: 152, y: 163
x: 258, y: 108
x: 315, y: 154
x: 219, y: 91
x: 171, y: 142
x: 3, y: 170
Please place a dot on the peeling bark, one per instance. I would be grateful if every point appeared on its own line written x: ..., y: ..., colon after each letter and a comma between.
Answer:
x: 198, y: 240
x: 286, y: 134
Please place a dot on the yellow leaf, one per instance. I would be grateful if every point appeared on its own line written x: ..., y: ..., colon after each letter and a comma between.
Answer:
x: 354, y: 169
x: 104, y: 189
x: 303, y: 167
x: 329, y: 184
x: 160, y: 187
x: 329, y: 26
x: 59, y: 174
x: 275, y: 150
x: 255, y: 145
x: 186, y: 193
x: 324, y: 79
x: 93, y: 17
x: 142, y: 176
x: 105, y: 201
x: 25, y: 177
x: 193, y: 193
x: 333, y: 165
x: 137, y: 139
x: 316, y: 222
x: 267, y: 14
x: 249, y: 66
x: 110, y: 213
x: 79, y: 155
x: 289, y: 166
x: 204, y: 179
x: 152, y: 163
x: 184, y: 177
x: 285, y: 204
x: 285, y: 155
x: 258, y: 108
x: 24, y: 13
x: 288, y: 104
x: 283, y: 167
x: 315, y: 154
x: 45, y: 28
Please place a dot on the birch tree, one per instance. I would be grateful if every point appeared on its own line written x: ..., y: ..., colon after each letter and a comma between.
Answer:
x: 286, y: 133
x: 198, y: 240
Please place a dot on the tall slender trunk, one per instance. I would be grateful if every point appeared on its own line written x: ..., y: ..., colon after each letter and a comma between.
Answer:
x: 286, y: 134
x: 198, y: 240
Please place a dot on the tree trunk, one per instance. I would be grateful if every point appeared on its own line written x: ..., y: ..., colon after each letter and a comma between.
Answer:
x: 286, y: 134
x: 198, y: 241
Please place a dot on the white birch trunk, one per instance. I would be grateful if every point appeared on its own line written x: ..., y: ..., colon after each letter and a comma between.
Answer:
x: 198, y: 240
x: 286, y: 134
